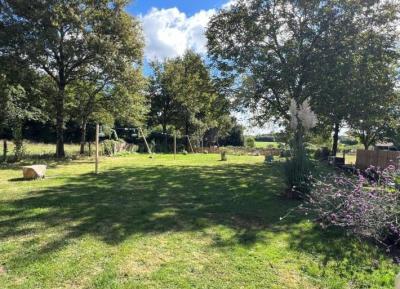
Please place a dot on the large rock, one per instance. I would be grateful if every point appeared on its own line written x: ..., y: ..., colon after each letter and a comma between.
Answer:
x: 34, y: 172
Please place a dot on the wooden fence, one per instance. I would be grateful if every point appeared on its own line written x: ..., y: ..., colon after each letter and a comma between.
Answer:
x: 377, y: 158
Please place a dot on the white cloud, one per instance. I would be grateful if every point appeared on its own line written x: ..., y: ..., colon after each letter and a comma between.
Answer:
x: 228, y: 4
x: 169, y: 32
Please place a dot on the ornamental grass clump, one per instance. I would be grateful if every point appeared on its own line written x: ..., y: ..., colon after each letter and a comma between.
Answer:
x: 298, y: 166
x: 366, y: 206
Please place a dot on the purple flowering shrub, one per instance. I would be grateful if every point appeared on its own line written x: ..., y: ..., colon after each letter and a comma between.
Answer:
x: 366, y: 205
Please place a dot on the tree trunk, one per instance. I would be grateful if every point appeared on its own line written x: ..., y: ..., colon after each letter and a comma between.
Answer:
x: 18, y: 140
x: 335, y: 139
x: 187, y: 137
x: 83, y: 136
x: 60, y: 152
x: 164, y: 127
x: 5, y: 150
x: 366, y: 145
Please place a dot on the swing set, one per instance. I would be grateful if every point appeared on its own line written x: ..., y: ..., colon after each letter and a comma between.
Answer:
x: 137, y: 131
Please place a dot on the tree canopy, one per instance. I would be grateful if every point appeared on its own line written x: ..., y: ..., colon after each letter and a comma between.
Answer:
x: 70, y: 41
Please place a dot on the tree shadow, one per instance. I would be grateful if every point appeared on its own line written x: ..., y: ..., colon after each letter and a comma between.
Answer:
x: 121, y: 202
x: 338, y: 252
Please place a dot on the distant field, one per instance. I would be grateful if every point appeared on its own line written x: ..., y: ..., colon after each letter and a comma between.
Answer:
x: 42, y: 148
x: 265, y: 144
x: 350, y: 159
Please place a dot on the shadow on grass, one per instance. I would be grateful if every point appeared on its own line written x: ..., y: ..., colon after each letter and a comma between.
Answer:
x: 51, y: 162
x: 122, y: 202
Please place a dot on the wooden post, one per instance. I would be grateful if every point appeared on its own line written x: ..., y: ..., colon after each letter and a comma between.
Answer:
x: 5, y: 150
x: 174, y: 145
x: 190, y: 144
x: 97, y: 149
x: 145, y: 140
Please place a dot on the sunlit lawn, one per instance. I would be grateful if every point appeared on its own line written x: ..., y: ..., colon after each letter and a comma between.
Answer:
x: 193, y: 222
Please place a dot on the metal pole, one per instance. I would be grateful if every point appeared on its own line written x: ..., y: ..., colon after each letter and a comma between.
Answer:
x: 174, y: 145
x: 190, y: 144
x: 97, y: 149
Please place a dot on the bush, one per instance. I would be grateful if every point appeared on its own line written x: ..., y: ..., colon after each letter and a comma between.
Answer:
x: 366, y: 206
x: 112, y: 147
x: 250, y: 142
x: 322, y: 154
x: 348, y: 141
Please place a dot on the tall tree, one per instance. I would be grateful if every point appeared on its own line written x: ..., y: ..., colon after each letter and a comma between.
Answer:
x: 354, y: 73
x: 163, y: 94
x: 274, y: 51
x: 183, y: 94
x: 16, y: 106
x: 268, y: 47
x: 121, y: 97
x: 69, y: 39
x: 21, y: 99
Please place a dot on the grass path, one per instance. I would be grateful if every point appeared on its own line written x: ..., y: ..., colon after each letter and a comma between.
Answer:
x: 193, y: 222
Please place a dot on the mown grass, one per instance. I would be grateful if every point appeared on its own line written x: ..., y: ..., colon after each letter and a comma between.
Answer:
x: 193, y: 222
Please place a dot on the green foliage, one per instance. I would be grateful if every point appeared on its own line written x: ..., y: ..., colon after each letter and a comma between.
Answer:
x: 110, y: 147
x: 16, y: 106
x: 184, y: 96
x: 235, y: 137
x: 322, y: 153
x: 349, y: 141
x: 274, y: 68
x: 91, y: 41
x: 339, y: 54
x: 250, y: 142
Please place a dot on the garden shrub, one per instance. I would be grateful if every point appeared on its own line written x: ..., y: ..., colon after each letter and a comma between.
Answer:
x: 298, y: 165
x: 250, y: 142
x: 111, y: 147
x: 366, y: 205
x: 322, y: 154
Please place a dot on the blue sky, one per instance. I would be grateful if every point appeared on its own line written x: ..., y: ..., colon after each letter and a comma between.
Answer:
x: 172, y: 26
x: 188, y: 7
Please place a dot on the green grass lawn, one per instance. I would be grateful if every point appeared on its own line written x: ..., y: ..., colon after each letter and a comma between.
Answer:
x: 193, y: 222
